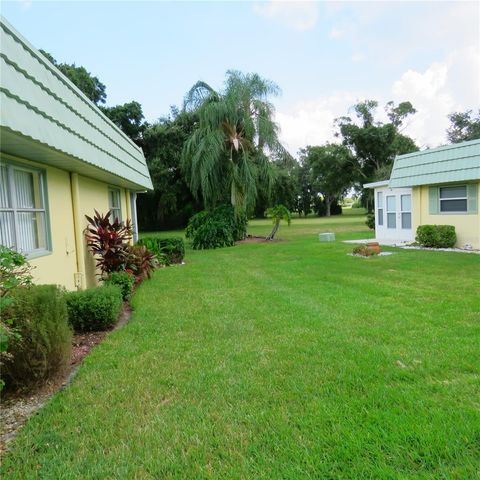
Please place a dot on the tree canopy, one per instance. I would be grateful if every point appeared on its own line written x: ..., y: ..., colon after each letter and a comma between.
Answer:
x: 464, y: 126
x: 91, y: 86
x: 229, y: 146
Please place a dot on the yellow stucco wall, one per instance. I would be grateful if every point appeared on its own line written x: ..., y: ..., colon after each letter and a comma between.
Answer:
x: 60, y: 265
x: 467, y: 226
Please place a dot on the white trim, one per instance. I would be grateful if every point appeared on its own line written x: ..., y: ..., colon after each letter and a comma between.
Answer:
x: 382, y: 183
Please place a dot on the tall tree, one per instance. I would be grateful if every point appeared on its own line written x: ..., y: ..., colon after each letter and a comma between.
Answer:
x: 230, y: 145
x: 171, y: 203
x: 330, y: 171
x: 129, y: 118
x: 464, y: 126
x: 375, y: 144
x: 91, y: 86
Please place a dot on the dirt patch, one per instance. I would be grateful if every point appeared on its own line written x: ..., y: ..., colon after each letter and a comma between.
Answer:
x: 18, y: 406
x: 252, y: 239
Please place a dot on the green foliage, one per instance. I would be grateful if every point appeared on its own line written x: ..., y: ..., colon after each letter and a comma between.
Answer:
x: 94, y: 309
x: 330, y: 170
x: 171, y: 203
x: 226, y: 152
x: 124, y: 280
x: 464, y: 126
x: 370, y: 221
x: 141, y: 261
x: 220, y: 227
x: 436, y: 236
x: 374, y: 144
x: 277, y: 214
x: 320, y: 207
x: 168, y: 250
x: 91, y: 86
x: 39, y: 314
x: 108, y: 241
x: 129, y: 118
x: 15, y: 272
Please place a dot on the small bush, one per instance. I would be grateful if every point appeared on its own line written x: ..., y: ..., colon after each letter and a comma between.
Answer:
x: 141, y: 261
x: 94, y: 309
x: 39, y: 315
x: 213, y: 234
x: 168, y: 250
x: 357, y: 204
x: 370, y: 221
x: 216, y: 228
x: 436, y: 236
x: 124, y: 280
x: 108, y: 241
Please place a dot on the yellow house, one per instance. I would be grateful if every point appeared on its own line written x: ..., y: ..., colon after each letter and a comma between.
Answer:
x: 440, y: 186
x: 60, y: 158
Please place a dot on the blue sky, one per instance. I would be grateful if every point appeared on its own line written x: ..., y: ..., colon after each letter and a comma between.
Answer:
x: 324, y: 56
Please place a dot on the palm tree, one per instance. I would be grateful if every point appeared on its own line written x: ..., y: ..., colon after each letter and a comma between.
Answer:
x: 234, y: 136
x: 277, y: 214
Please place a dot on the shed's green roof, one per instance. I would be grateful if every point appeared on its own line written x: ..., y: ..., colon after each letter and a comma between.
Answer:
x: 458, y: 162
x: 45, y: 117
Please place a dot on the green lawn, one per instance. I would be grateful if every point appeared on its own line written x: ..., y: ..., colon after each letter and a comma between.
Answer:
x: 285, y: 360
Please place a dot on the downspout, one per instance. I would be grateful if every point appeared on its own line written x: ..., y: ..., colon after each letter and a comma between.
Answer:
x: 129, y: 209
x: 77, y: 225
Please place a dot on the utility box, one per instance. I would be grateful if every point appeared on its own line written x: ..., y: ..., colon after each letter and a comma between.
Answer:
x: 326, y: 237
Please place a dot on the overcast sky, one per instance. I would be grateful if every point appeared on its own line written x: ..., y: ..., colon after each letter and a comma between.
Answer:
x: 324, y: 56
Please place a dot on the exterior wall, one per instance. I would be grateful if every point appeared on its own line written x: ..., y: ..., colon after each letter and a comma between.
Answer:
x: 94, y: 196
x: 61, y: 264
x: 467, y: 225
x: 58, y: 266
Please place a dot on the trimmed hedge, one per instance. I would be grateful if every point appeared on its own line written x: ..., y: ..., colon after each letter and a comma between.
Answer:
x: 42, y: 344
x: 124, y: 280
x: 95, y: 308
x: 436, y: 236
x: 168, y: 250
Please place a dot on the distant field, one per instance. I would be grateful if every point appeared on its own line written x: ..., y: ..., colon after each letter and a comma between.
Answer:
x: 280, y: 360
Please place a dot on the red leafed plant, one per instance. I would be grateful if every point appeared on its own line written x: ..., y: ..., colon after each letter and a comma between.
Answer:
x: 141, y: 261
x: 108, y: 241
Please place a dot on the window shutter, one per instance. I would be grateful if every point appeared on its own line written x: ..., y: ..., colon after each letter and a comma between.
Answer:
x: 433, y: 200
x: 472, y: 198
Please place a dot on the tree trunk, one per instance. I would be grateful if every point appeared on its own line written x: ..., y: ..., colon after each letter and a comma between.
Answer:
x: 328, y: 204
x: 274, y: 230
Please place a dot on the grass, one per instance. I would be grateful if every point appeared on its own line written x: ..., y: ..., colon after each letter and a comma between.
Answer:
x: 285, y: 360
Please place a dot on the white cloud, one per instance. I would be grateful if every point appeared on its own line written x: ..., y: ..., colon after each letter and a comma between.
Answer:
x: 299, y: 15
x: 25, y: 4
x: 444, y: 87
x: 311, y: 123
x: 358, y: 57
x: 336, y: 33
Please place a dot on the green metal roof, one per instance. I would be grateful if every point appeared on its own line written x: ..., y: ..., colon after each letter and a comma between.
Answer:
x: 458, y: 162
x: 45, y: 117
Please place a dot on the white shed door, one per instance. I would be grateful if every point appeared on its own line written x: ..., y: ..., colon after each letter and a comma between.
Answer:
x: 393, y: 214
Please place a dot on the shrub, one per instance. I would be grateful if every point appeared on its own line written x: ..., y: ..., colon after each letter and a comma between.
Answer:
x: 357, y: 204
x: 15, y: 272
x: 213, y: 234
x: 94, y: 309
x: 39, y: 314
x: 370, y: 221
x: 364, y: 251
x: 124, y: 280
x: 436, y: 236
x: 168, y: 250
x: 320, y: 207
x: 141, y: 261
x: 215, y: 228
x: 108, y: 241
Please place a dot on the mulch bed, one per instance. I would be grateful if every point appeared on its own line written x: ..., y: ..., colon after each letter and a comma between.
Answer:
x: 19, y: 405
x: 252, y: 239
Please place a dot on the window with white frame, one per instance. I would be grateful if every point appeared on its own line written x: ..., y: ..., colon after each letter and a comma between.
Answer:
x: 453, y: 199
x: 380, y: 208
x: 114, y: 203
x: 23, y: 215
